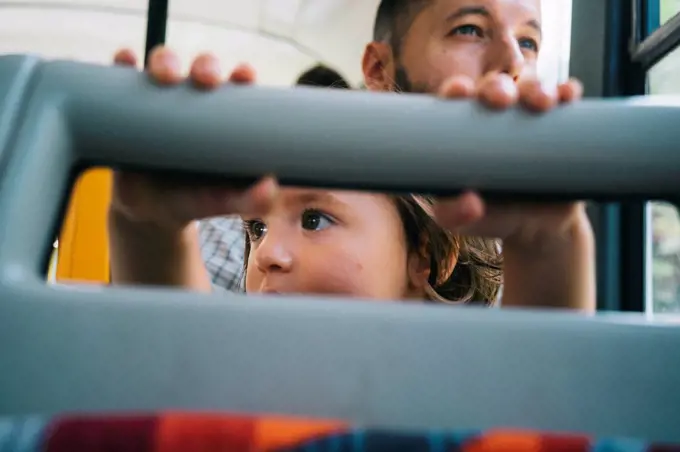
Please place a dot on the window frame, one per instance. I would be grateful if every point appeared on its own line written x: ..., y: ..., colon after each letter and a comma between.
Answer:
x: 662, y: 38
x: 602, y: 58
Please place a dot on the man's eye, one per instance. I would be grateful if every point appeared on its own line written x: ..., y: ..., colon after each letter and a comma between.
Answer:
x: 468, y: 30
x: 529, y: 44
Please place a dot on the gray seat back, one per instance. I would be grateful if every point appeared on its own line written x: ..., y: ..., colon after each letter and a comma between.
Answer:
x: 117, y: 349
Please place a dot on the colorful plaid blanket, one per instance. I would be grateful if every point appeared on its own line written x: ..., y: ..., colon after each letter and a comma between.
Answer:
x: 185, y: 432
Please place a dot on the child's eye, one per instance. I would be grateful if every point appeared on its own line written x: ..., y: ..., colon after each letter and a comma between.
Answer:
x: 313, y: 220
x: 255, y: 229
x: 468, y: 30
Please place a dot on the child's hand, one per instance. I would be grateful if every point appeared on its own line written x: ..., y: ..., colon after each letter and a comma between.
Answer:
x: 525, y: 225
x: 548, y: 249
x: 163, y: 203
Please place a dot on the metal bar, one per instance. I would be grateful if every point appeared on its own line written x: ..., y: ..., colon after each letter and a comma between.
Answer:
x: 156, y: 24
x: 659, y: 44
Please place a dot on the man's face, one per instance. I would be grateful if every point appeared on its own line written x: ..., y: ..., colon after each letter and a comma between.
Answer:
x: 461, y: 37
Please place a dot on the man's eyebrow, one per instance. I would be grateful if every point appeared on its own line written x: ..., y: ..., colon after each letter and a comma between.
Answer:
x: 536, y: 25
x: 482, y: 11
x: 468, y: 11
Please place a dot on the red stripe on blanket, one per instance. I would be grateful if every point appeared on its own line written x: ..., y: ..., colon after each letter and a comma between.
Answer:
x: 110, y: 434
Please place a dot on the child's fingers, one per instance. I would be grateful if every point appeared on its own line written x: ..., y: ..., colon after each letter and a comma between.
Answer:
x: 171, y: 204
x: 459, y: 212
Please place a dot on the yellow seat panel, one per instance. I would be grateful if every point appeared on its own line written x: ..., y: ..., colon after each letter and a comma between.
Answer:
x: 83, y: 244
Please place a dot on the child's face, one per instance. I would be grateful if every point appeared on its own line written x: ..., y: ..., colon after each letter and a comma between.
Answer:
x: 329, y: 242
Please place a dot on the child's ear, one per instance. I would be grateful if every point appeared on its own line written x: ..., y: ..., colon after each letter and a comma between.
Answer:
x: 418, y: 270
x: 420, y: 264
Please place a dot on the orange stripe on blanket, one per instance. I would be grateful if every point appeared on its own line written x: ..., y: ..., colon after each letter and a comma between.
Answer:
x: 272, y: 432
x: 505, y: 441
x: 204, y: 433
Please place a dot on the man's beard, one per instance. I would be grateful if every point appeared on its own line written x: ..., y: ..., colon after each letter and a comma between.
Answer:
x: 403, y: 84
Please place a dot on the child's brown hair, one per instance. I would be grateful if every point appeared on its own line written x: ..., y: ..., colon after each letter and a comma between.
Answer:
x: 463, y: 269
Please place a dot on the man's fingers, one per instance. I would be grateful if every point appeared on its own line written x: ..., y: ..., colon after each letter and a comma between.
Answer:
x: 125, y: 57
x: 570, y: 91
x: 469, y: 214
x: 535, y: 96
x: 164, y: 66
x: 242, y: 74
x: 206, y: 72
x: 497, y: 91
x: 457, y: 88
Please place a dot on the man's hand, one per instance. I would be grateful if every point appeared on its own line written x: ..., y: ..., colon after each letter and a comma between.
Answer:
x: 152, y: 232
x: 166, y: 204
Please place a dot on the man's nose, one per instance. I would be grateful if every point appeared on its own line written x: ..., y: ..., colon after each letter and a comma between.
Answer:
x: 272, y: 254
x: 505, y: 56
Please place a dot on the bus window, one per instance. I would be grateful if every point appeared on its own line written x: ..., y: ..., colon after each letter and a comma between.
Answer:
x: 664, y: 223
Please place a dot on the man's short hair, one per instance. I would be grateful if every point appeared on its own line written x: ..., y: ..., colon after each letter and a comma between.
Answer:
x: 393, y: 20
x: 322, y: 76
